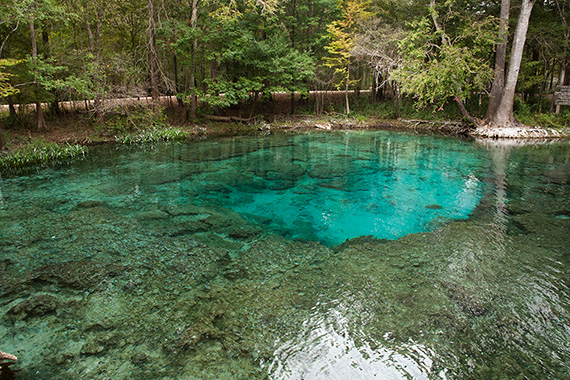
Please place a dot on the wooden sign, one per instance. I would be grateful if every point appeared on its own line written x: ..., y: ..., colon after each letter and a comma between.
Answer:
x: 562, y: 97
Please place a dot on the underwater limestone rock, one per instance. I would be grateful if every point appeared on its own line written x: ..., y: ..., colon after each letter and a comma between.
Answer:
x: 177, y: 210
x: 82, y: 274
x: 36, y: 306
x: 467, y: 300
x: 279, y: 185
x: 278, y: 170
x: 90, y: 204
x: 235, y: 271
x: 139, y: 359
x: 219, y: 221
x: 243, y: 232
x: 12, y: 283
x: 323, y: 171
x: 186, y: 228
x: 92, y: 348
x: 192, y: 336
x: 335, y: 184
x: 152, y: 215
x: 361, y: 240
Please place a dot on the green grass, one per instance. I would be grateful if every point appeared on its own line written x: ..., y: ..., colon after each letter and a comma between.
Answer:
x: 154, y: 135
x: 38, y: 154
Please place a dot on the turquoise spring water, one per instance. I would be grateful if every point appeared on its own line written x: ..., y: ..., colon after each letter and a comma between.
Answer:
x: 291, y: 256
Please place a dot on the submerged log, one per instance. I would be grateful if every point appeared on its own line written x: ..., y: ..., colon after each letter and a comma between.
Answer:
x: 5, y: 356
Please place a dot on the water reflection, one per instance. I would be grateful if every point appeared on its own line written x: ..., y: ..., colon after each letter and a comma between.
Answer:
x: 330, y: 346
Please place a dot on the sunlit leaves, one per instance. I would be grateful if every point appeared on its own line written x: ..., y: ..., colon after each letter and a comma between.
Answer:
x: 6, y: 88
x: 342, y: 35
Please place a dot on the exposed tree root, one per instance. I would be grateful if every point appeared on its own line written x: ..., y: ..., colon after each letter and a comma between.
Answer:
x: 518, y: 131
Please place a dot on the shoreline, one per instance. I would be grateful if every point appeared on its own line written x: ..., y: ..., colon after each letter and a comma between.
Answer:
x: 84, y: 133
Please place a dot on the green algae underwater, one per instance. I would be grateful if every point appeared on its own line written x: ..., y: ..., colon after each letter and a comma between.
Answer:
x: 291, y: 256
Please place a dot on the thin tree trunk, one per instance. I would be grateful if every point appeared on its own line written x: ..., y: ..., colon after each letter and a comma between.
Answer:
x: 193, y: 25
x: 153, y: 56
x: 561, y: 80
x: 41, y: 123
x: 466, y: 115
x: 89, y: 36
x: 95, y: 49
x: 2, y: 140
x: 374, y: 88
x: 563, y: 64
x: 395, y: 100
x: 175, y: 63
x: 500, y: 60
x: 346, y: 99
x: 504, y: 115
x: 176, y: 84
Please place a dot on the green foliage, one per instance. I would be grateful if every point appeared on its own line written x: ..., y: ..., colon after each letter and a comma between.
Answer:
x: 154, y: 135
x: 6, y: 89
x: 342, y: 34
x: 224, y: 93
x: 234, y: 50
x: 39, y: 153
x: 529, y: 115
x: 142, y: 125
x: 137, y: 118
x: 437, y: 67
x: 409, y: 109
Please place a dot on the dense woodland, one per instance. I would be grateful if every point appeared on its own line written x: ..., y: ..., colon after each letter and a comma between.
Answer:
x: 217, y: 54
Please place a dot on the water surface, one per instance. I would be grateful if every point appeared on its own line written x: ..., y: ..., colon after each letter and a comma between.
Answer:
x: 229, y: 259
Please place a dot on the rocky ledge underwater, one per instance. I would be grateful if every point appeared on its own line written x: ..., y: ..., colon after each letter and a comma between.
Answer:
x: 97, y: 293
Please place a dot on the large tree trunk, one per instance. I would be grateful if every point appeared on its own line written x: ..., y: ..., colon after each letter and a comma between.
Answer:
x: 13, y: 115
x: 500, y: 60
x: 40, y: 120
x: 153, y: 55
x: 504, y: 116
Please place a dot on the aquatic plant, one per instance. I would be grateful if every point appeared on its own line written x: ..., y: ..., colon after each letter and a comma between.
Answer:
x: 152, y: 135
x: 40, y: 154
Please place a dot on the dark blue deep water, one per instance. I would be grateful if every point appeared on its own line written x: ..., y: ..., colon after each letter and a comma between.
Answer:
x: 291, y: 256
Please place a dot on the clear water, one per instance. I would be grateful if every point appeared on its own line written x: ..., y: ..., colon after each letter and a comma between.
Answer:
x: 230, y: 259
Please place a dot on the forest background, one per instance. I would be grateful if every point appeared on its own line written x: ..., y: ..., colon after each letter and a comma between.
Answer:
x: 235, y: 59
